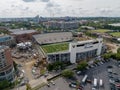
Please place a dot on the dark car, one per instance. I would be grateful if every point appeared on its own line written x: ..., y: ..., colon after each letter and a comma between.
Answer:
x: 89, y: 81
x: 48, y: 85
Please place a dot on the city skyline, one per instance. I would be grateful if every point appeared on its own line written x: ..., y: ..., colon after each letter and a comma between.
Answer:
x: 59, y: 8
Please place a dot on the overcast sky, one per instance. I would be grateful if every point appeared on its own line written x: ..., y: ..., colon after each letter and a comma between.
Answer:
x: 25, y: 8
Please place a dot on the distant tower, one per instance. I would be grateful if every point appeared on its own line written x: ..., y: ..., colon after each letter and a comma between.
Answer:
x: 36, y: 19
x: 6, y: 64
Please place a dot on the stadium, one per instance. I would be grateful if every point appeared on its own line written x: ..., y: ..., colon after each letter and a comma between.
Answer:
x: 61, y: 47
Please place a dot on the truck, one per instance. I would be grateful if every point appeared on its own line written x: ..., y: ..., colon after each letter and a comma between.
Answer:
x: 84, y: 79
x: 101, y: 83
x: 95, y: 82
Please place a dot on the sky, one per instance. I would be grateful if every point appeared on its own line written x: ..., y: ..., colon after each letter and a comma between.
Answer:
x: 59, y: 8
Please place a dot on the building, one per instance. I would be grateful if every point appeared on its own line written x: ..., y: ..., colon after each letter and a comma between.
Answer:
x: 61, y: 25
x: 85, y: 49
x: 7, y: 40
x: 23, y: 35
x: 75, y: 52
x: 6, y: 64
x: 87, y: 27
x: 52, y: 37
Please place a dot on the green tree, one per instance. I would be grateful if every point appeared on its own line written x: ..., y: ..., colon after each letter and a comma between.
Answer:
x: 118, y: 50
x: 4, y: 84
x: 82, y: 65
x: 56, y: 66
x: 107, y: 55
x: 118, y: 56
x: 67, y: 73
x: 50, y: 67
x: 28, y: 87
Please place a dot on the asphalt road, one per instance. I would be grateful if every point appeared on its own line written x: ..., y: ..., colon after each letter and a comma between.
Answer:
x: 60, y: 84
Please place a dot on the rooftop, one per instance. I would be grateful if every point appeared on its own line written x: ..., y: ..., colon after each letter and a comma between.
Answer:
x: 20, y: 31
x: 87, y: 41
x: 52, y: 48
x: 49, y: 38
x: 100, y: 31
x: 5, y: 38
x: 3, y: 47
x: 115, y: 24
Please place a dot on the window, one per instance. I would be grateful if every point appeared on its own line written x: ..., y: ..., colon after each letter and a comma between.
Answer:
x: 2, y: 73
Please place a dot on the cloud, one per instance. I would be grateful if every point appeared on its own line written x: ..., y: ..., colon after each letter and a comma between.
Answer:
x: 14, y: 8
x: 53, y: 8
x: 44, y: 0
x: 29, y: 0
x: 106, y: 10
x: 36, y: 0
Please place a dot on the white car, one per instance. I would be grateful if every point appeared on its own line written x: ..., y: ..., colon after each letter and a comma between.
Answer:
x: 52, y: 82
x: 23, y: 71
x: 74, y: 86
x: 92, y: 66
x: 101, y: 62
x: 110, y: 70
x: 93, y: 88
x: 78, y: 72
x: 87, y: 68
x: 111, y: 81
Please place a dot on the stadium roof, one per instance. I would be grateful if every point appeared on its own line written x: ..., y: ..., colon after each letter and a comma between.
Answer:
x: 53, y: 37
x: 19, y: 31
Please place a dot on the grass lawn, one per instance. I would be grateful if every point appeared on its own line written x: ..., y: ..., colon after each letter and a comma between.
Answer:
x: 100, y: 30
x: 55, y: 47
x: 115, y: 34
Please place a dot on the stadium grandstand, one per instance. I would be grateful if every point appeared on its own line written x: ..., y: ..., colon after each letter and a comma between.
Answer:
x: 50, y: 38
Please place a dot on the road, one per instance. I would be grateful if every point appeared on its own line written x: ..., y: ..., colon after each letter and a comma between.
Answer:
x: 60, y: 84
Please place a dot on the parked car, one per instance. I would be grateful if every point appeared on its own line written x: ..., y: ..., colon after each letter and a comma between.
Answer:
x: 73, y: 85
x: 48, y: 85
x: 89, y: 81
x: 78, y: 72
x: 22, y: 83
x: 93, y: 88
x: 52, y: 82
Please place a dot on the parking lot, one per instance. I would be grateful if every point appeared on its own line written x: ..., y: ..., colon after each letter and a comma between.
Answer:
x: 99, y: 71
x: 60, y: 84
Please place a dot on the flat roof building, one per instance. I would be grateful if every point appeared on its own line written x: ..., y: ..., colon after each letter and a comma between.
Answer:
x: 23, y: 35
x: 7, y: 40
x: 62, y: 25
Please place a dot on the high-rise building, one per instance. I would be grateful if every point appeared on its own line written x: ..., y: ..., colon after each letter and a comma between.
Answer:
x: 6, y: 64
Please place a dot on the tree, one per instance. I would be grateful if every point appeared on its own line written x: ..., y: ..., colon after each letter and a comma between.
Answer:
x: 4, y: 84
x: 118, y: 50
x: 67, y: 73
x: 56, y: 66
x: 118, y: 56
x: 107, y: 55
x: 28, y: 87
x: 50, y: 67
x: 82, y: 65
